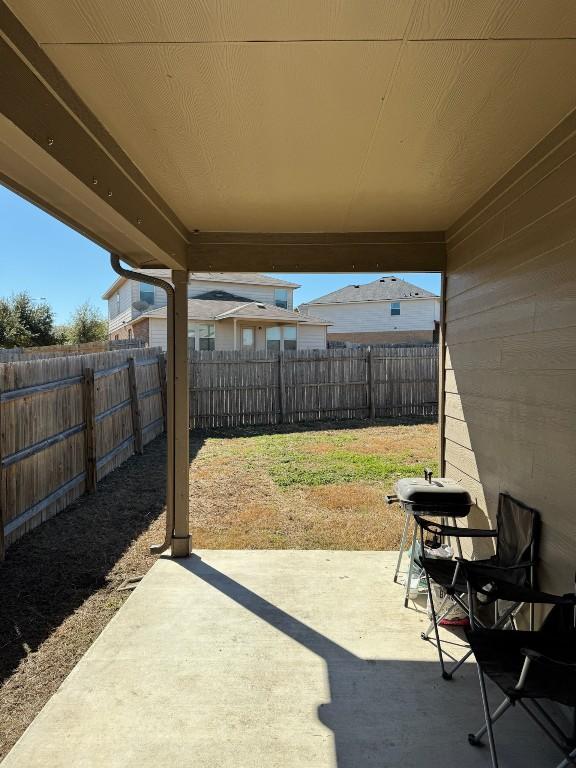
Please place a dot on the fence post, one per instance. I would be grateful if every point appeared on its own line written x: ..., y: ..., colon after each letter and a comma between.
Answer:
x: 162, y: 382
x: 371, y: 385
x: 90, y: 431
x: 135, y: 407
x: 281, y: 388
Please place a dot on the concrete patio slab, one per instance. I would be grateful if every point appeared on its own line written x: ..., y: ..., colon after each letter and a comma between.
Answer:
x: 268, y: 659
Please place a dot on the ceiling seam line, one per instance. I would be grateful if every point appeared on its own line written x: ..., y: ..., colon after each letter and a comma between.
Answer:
x: 383, y: 102
x: 90, y: 43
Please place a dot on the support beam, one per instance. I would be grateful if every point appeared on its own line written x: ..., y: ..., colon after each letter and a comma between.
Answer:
x: 318, y: 251
x: 54, y: 152
x: 178, y: 349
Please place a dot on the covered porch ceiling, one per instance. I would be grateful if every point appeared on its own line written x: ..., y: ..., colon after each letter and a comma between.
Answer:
x: 308, y: 135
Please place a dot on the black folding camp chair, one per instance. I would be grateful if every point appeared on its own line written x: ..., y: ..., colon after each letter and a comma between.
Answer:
x: 516, y: 537
x: 527, y: 666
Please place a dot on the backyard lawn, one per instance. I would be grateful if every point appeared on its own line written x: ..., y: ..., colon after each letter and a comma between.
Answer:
x: 319, y: 486
x: 305, y: 488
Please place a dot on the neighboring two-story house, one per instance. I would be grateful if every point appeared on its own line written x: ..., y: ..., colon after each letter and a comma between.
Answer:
x: 386, y: 311
x: 226, y: 311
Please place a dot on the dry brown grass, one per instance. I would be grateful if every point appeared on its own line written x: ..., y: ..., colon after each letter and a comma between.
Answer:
x: 235, y: 502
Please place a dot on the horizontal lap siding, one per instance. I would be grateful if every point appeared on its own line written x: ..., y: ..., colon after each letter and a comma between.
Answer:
x: 415, y: 315
x: 510, y: 379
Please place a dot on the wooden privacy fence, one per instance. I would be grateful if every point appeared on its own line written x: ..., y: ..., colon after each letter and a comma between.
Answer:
x: 67, y: 422
x: 229, y: 389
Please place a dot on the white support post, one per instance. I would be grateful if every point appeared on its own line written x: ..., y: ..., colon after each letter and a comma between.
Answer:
x: 181, y: 544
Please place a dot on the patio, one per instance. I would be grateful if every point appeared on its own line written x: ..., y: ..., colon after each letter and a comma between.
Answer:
x: 267, y: 658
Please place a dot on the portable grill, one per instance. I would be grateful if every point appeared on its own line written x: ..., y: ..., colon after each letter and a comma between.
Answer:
x: 429, y: 497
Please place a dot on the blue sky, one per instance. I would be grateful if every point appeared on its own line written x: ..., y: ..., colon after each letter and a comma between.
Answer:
x: 40, y: 255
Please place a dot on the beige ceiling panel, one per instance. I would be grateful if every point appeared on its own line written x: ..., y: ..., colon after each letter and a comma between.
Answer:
x: 244, y: 136
x: 473, y: 19
x: 117, y: 21
x: 458, y: 116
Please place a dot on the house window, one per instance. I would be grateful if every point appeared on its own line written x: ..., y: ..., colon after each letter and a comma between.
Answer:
x: 247, y: 338
x: 395, y: 308
x: 281, y: 338
x: 147, y: 293
x: 129, y: 333
x: 273, y: 339
x: 281, y: 297
x: 206, y: 337
x: 289, y: 338
x: 118, y: 303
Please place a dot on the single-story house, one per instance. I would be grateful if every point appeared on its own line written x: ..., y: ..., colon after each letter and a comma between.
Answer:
x: 226, y: 311
x: 387, y: 310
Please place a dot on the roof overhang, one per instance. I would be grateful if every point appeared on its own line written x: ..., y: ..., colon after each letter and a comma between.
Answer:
x: 283, y: 136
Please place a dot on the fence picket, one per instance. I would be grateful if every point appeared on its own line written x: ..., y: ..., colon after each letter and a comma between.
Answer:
x: 66, y: 422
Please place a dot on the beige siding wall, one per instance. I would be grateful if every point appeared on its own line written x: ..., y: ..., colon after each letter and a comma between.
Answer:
x: 224, y: 332
x: 117, y: 319
x: 157, y: 333
x: 362, y: 317
x: 384, y: 337
x: 510, y: 402
x: 311, y: 337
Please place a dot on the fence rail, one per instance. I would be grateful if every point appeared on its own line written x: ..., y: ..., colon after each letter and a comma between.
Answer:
x: 229, y: 389
x: 18, y: 354
x: 66, y: 423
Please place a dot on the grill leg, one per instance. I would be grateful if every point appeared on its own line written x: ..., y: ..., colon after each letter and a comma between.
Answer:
x: 475, y: 739
x: 408, y: 515
x: 410, y: 566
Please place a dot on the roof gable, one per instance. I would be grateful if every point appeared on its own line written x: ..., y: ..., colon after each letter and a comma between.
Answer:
x: 388, y: 288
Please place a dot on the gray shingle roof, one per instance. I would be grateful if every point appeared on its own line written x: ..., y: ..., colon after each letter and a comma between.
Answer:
x: 387, y: 288
x: 211, y: 309
x: 251, y: 278
x: 248, y: 278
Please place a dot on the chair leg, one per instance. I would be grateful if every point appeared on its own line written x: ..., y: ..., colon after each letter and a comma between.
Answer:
x: 487, y: 718
x: 439, y: 617
x: 446, y: 675
x: 408, y: 515
x: 569, y: 760
x: 475, y: 739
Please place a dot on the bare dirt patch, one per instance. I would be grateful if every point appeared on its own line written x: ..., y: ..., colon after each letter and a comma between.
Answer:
x: 315, y: 486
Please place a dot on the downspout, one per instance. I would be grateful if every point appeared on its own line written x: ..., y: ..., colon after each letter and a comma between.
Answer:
x: 157, y: 549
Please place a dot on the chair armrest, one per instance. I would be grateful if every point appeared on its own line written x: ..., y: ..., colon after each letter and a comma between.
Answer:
x: 484, y: 566
x: 540, y: 657
x: 486, y: 579
x: 450, y: 530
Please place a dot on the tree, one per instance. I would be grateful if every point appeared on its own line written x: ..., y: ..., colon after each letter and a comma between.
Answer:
x: 24, y: 323
x: 87, y: 324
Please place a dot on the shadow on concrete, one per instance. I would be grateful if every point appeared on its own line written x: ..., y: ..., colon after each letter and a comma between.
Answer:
x: 390, y: 713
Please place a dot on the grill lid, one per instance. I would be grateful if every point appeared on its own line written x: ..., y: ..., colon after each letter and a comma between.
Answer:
x: 441, y: 492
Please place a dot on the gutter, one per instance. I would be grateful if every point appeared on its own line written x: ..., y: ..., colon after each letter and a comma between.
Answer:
x: 157, y: 549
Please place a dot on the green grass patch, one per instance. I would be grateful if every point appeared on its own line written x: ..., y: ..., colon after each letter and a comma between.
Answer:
x: 339, y: 466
